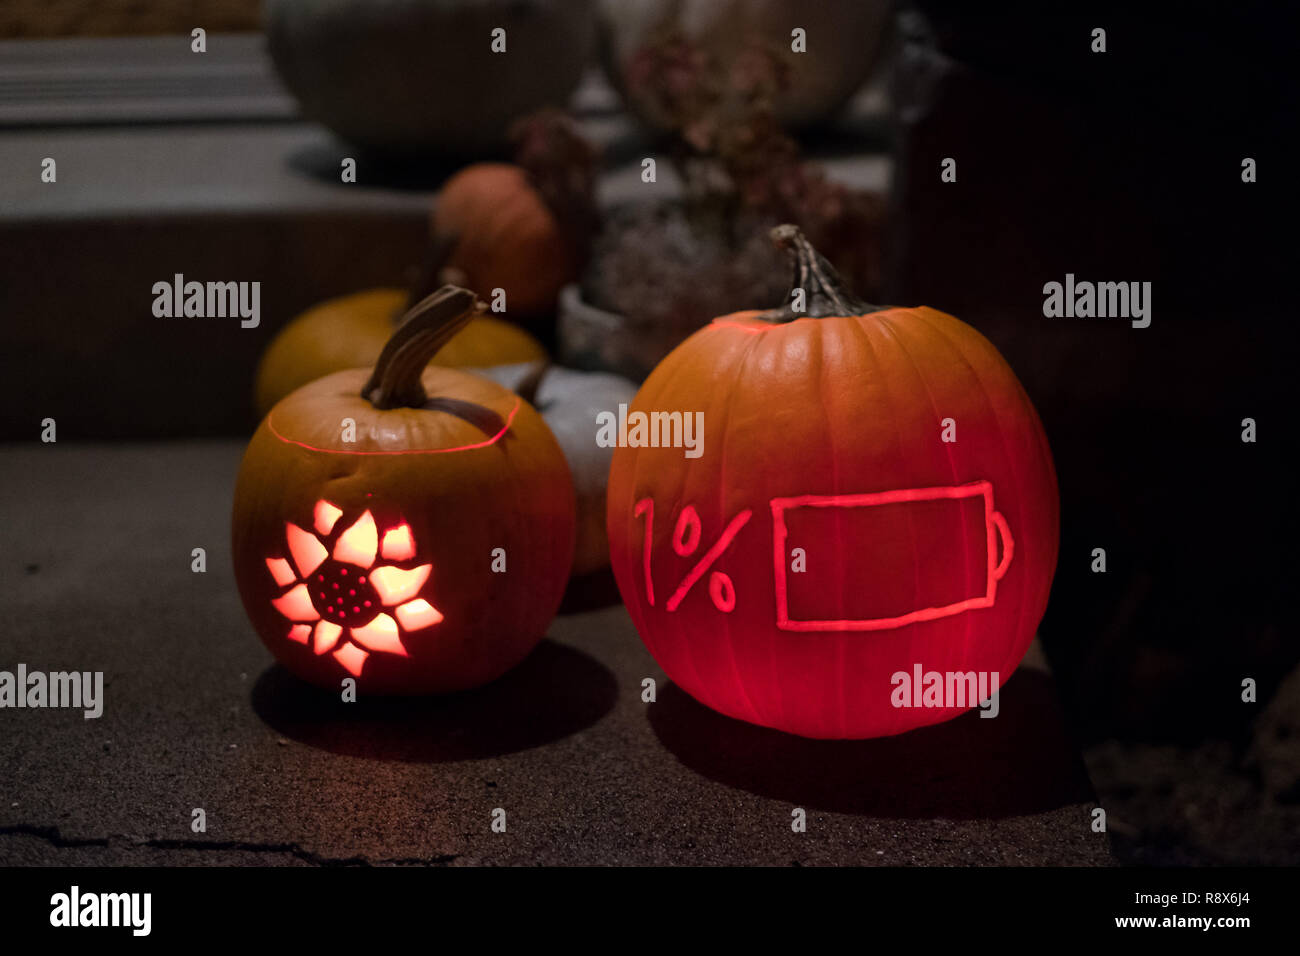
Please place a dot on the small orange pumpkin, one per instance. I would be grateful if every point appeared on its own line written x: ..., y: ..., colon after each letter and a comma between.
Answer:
x: 350, y: 332
x: 503, y: 235
x: 410, y: 526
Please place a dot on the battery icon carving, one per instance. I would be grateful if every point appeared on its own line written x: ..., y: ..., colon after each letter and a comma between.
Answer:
x: 903, y: 556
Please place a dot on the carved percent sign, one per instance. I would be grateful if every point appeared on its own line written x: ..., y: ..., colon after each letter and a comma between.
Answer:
x: 686, y: 540
x: 722, y: 591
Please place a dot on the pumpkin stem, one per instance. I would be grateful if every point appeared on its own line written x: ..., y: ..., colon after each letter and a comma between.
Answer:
x: 529, y: 384
x: 825, y: 293
x: 427, y: 327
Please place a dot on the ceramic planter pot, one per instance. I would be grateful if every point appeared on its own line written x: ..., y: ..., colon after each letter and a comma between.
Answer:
x: 844, y: 42
x: 419, y: 76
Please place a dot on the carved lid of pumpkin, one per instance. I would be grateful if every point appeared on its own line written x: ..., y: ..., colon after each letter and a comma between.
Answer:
x: 403, y: 405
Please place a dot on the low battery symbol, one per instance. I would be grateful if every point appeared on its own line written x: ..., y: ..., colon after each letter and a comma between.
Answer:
x: 932, y: 537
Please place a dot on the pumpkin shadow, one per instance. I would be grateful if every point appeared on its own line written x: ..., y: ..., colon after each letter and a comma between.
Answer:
x: 556, y: 691
x: 590, y: 592
x: 1017, y: 763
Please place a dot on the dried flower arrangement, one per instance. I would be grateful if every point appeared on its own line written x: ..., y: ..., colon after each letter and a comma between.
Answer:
x: 668, y: 268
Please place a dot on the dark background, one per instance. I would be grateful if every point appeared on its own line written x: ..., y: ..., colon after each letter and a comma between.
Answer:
x: 1127, y: 166
x: 1122, y: 166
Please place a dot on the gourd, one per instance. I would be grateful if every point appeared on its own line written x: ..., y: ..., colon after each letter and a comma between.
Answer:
x: 569, y: 401
x: 500, y: 233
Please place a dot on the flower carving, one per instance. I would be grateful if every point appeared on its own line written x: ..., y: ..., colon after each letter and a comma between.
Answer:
x: 338, y: 600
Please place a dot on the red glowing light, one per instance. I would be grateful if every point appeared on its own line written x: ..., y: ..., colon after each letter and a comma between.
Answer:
x: 398, y: 544
x: 730, y: 532
x: 417, y: 614
x: 722, y: 592
x: 351, y: 641
x: 306, y: 550
x: 996, y: 529
x: 352, y: 658
x: 396, y: 585
x: 379, y: 635
x: 686, y: 538
x: 359, y: 543
x: 401, y: 451
x: 280, y: 571
x: 326, y: 515
x: 646, y: 506
x: 296, y: 605
x: 325, y: 636
x: 759, y: 327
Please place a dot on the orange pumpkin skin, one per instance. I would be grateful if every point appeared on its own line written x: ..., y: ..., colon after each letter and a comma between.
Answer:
x: 460, y: 489
x: 838, y: 406
x: 349, y: 332
x: 505, y: 236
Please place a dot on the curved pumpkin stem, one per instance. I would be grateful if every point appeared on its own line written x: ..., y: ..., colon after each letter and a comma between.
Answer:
x: 530, y: 383
x: 825, y: 293
x: 428, y: 326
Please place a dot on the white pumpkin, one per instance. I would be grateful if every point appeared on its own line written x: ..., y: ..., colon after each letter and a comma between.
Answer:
x: 569, y: 401
x: 420, y: 75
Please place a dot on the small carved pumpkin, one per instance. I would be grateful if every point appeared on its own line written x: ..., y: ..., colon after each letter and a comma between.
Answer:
x: 874, y: 502
x: 350, y: 332
x: 410, y: 526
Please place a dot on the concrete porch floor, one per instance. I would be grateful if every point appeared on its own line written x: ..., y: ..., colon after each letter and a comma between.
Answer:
x: 96, y: 575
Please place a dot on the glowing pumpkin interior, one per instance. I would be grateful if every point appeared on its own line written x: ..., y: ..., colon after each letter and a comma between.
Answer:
x: 339, y: 599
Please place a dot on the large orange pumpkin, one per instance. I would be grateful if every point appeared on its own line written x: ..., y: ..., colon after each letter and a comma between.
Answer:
x: 409, y: 526
x: 350, y: 332
x: 829, y: 546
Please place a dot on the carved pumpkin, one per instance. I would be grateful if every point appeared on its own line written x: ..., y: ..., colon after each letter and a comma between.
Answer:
x: 395, y: 76
x: 570, y: 401
x: 350, y: 332
x: 502, y: 235
x: 429, y: 553
x: 828, y: 538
